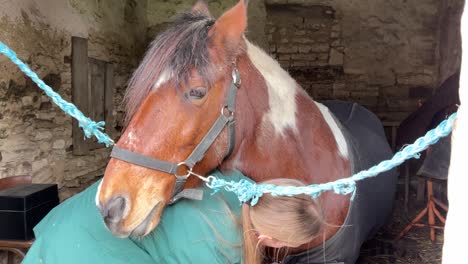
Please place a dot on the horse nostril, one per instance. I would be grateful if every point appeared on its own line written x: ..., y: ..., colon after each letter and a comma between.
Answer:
x: 113, y: 210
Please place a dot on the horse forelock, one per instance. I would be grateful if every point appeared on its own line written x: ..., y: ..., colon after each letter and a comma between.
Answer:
x: 183, y: 46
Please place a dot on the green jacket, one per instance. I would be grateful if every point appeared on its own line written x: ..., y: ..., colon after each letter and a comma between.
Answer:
x: 205, y: 231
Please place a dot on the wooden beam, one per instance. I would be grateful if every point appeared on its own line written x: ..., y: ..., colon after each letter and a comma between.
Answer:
x: 96, y: 101
x: 79, y: 70
x: 455, y: 229
x: 109, y: 99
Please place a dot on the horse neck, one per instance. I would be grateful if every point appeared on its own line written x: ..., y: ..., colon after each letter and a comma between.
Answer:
x: 307, y: 152
x: 277, y: 143
x: 282, y: 131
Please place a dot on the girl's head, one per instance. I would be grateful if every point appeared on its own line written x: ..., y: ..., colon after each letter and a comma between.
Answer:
x: 280, y: 222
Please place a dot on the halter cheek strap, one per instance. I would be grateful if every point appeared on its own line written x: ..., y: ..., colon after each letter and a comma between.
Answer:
x: 226, y: 118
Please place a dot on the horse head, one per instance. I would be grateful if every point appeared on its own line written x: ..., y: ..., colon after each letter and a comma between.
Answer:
x: 198, y: 77
x: 179, y: 91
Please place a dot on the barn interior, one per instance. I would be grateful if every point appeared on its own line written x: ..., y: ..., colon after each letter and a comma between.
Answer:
x: 389, y: 56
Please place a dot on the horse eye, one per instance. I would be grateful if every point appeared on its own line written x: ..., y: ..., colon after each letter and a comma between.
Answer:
x: 197, y: 93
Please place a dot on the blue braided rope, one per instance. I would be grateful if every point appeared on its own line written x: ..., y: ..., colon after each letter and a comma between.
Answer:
x: 89, y: 126
x: 246, y: 190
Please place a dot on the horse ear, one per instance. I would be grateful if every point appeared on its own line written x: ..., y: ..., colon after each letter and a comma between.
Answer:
x: 201, y: 7
x: 230, y: 27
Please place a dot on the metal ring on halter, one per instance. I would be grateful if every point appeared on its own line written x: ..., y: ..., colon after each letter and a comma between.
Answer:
x: 189, y: 170
x: 236, y: 80
x: 225, y: 111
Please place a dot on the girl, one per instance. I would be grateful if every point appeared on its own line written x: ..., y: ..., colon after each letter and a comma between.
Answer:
x: 283, y: 224
x: 207, y: 231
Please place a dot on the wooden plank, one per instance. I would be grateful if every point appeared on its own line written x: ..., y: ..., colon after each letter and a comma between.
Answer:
x: 16, y: 243
x: 406, y: 176
x: 96, y: 98
x: 79, y: 70
x: 109, y: 99
x: 91, y: 69
x: 455, y: 228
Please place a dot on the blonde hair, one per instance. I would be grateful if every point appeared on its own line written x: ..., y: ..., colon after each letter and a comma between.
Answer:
x: 293, y: 220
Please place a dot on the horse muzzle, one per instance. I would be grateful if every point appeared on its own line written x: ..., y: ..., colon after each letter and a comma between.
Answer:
x: 115, y: 211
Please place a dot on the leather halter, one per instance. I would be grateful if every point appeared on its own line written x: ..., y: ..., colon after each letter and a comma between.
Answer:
x: 226, y: 118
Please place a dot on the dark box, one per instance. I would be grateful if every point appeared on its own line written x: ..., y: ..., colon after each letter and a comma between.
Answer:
x: 23, y: 206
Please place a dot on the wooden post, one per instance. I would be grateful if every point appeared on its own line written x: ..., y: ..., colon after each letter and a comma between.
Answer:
x: 109, y: 99
x: 79, y: 90
x: 456, y: 230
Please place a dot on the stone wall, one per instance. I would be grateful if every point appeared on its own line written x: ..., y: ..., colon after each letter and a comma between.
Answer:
x: 306, y: 41
x: 449, y: 47
x: 160, y: 12
x: 35, y: 135
x: 383, y: 54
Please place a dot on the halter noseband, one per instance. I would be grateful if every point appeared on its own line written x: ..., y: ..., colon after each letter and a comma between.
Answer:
x: 226, y: 118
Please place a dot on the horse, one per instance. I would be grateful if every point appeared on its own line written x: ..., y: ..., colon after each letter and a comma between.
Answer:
x: 204, y: 97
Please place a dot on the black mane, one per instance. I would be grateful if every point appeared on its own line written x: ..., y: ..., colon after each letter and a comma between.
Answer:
x: 180, y: 48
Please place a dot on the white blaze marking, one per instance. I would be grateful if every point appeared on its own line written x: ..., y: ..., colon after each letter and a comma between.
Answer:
x: 97, y: 193
x: 337, y: 133
x: 165, y: 76
x: 282, y: 89
x: 131, y: 139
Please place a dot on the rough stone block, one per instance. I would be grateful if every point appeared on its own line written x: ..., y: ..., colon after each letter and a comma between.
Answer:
x: 58, y: 171
x: 300, y: 63
x: 46, y: 115
x: 300, y: 32
x: 59, y: 144
x: 284, y: 57
x: 45, y: 106
x: 271, y: 29
x: 303, y: 40
x: 285, y: 64
x: 27, y: 100
x: 312, y: 25
x: 45, y: 99
x: 287, y: 49
x: 304, y: 48
x: 339, y: 85
x: 415, y: 79
x: 341, y: 94
x: 336, y: 58
x: 336, y: 43
x: 320, y: 48
x: 45, y: 146
x: 304, y: 57
x: 45, y: 124
x: 24, y: 168
x: 45, y: 175
x: 43, y: 135
x: 272, y: 49
x: 336, y: 27
x: 298, y: 22
x: 382, y: 78
x: 283, y: 31
x: 394, y: 91
x: 39, y: 164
